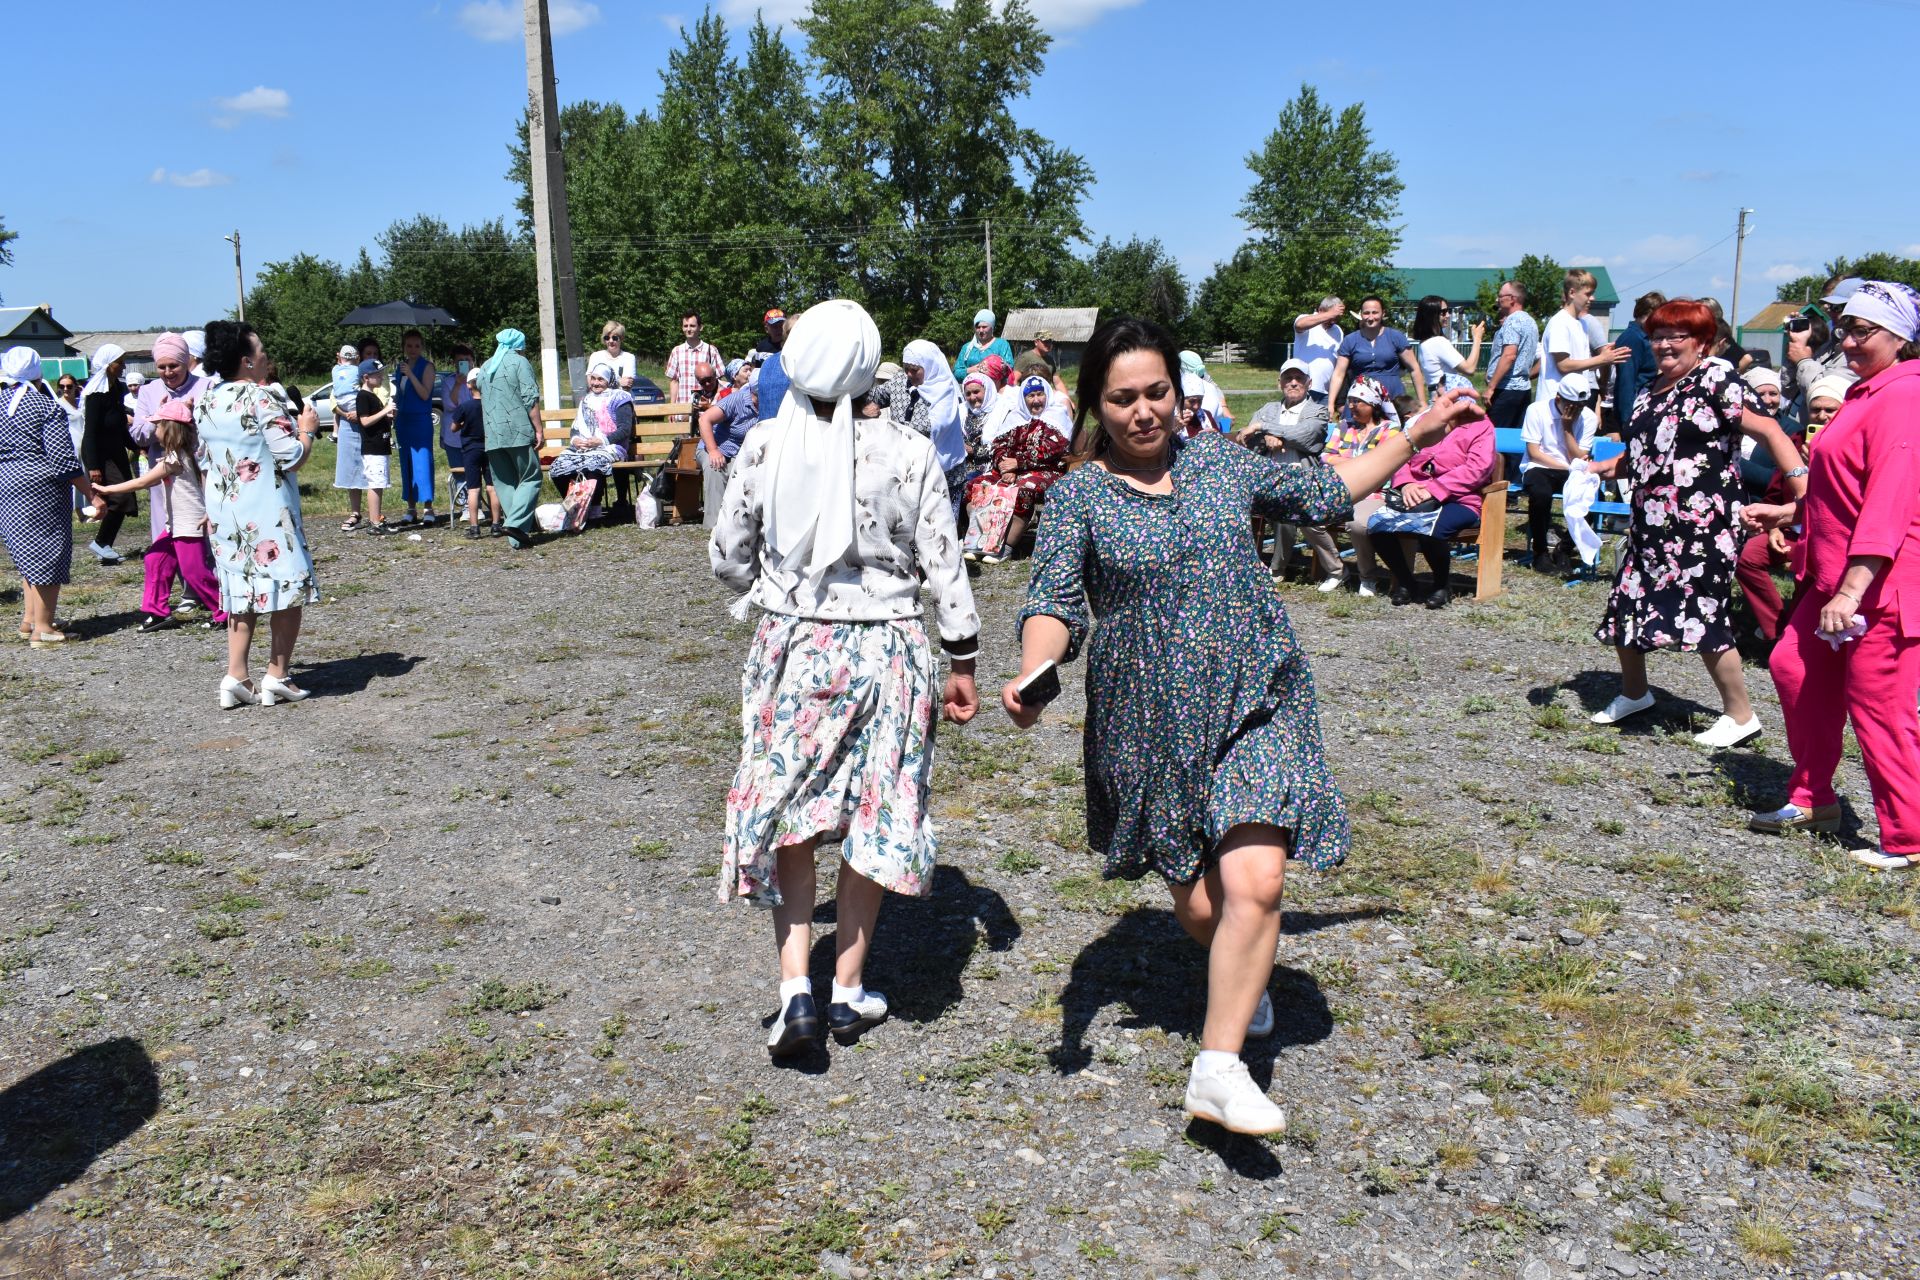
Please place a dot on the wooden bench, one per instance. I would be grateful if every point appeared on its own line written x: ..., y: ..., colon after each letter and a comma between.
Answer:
x: 1490, y: 536
x: 659, y: 441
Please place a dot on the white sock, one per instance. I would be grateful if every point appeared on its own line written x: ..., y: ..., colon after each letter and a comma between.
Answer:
x: 848, y: 995
x: 1212, y: 1061
x: 795, y: 987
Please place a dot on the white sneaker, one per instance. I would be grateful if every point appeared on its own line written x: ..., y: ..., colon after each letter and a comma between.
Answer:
x: 1882, y: 861
x: 1622, y: 706
x: 105, y: 555
x: 1330, y: 584
x: 1366, y: 588
x: 1231, y: 1099
x: 1261, y: 1025
x: 1726, y: 733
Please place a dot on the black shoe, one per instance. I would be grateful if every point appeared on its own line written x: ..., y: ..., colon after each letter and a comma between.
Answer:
x: 1439, y: 599
x: 498, y: 531
x: 429, y: 521
x: 796, y: 1029
x: 381, y: 530
x: 1400, y: 596
x: 473, y: 531
x: 151, y: 624
x: 849, y: 1021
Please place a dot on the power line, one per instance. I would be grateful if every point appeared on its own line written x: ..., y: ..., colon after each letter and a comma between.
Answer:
x: 1676, y: 266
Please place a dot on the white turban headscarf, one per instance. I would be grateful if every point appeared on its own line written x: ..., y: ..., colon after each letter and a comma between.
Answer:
x: 831, y: 352
x: 105, y: 356
x: 1889, y: 304
x: 946, y: 408
x: 20, y: 364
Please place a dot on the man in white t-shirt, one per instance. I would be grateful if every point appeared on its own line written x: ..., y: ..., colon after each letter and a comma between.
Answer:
x: 1564, y: 346
x: 1316, y: 344
x: 1559, y: 437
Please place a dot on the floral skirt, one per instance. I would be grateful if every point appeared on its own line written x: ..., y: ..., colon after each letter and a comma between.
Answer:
x: 992, y: 503
x: 837, y: 722
x: 597, y: 461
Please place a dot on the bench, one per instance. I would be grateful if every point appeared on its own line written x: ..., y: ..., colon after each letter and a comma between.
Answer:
x: 659, y: 442
x: 1489, y: 537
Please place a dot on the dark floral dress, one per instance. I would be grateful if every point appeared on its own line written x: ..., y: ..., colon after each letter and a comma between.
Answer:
x: 1200, y: 705
x: 1675, y: 585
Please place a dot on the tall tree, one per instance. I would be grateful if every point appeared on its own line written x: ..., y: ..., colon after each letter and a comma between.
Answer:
x: 1539, y: 275
x: 296, y: 306
x: 1138, y: 278
x: 1321, y: 209
x: 1871, y: 266
x: 483, y: 275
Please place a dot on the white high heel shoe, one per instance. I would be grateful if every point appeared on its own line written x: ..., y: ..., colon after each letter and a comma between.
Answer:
x: 273, y: 689
x: 237, y: 693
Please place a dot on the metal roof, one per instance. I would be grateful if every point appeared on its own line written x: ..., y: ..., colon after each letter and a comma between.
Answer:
x: 1770, y: 317
x: 1462, y: 284
x: 1068, y: 324
x: 137, y: 345
x: 12, y: 318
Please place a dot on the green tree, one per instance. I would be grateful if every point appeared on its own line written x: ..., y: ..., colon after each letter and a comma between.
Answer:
x: 1542, y: 278
x: 296, y: 306
x: 6, y: 244
x: 482, y: 274
x: 1138, y: 278
x: 1871, y: 266
x: 1321, y: 209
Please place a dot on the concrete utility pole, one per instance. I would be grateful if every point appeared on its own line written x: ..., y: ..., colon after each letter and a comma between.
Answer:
x: 1739, y: 247
x: 239, y: 277
x: 552, y: 230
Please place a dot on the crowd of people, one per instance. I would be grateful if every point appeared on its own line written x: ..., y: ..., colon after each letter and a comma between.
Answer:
x: 849, y: 488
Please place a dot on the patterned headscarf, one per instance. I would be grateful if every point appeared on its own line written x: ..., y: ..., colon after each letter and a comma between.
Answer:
x: 1889, y: 304
x: 995, y: 368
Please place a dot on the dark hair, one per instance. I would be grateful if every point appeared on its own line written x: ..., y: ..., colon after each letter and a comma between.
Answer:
x: 364, y: 343
x: 1647, y: 304
x: 228, y: 343
x: 689, y: 315
x: 1691, y: 318
x: 1722, y: 334
x: 1426, y: 317
x: 1373, y: 297
x: 462, y: 349
x: 1818, y: 330
x: 413, y: 333
x: 1114, y: 338
x: 1519, y: 290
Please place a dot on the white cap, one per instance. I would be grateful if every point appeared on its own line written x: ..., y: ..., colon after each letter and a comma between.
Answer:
x: 1844, y: 289
x: 1574, y: 386
x: 1297, y: 366
x: 350, y: 351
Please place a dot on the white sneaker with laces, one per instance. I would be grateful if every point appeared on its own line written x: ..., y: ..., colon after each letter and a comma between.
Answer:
x: 1261, y: 1025
x: 1329, y: 584
x: 1726, y: 732
x: 1622, y: 706
x: 1231, y: 1099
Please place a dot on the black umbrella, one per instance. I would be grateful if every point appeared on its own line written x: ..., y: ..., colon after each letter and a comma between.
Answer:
x: 398, y: 313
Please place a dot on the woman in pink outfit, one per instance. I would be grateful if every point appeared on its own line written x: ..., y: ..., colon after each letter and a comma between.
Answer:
x: 1851, y: 650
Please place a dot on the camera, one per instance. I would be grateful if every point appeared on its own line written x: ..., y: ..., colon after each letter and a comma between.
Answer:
x: 1798, y: 324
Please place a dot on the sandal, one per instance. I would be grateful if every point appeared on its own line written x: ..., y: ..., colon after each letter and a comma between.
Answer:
x: 350, y: 524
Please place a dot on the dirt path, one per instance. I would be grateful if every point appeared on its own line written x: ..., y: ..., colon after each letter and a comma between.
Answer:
x: 427, y: 973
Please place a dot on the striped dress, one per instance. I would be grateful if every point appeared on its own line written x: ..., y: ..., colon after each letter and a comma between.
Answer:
x: 37, y: 470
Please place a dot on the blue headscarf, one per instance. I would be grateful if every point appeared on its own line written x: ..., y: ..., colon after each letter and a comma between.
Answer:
x: 505, y: 342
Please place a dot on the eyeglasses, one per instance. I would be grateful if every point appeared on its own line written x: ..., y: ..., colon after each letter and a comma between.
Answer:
x: 1858, y: 330
x: 1668, y: 339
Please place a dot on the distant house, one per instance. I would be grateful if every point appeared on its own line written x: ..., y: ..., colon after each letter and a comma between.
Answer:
x: 34, y: 327
x: 1070, y: 327
x: 1767, y: 330
x: 138, y: 346
x: 1461, y: 287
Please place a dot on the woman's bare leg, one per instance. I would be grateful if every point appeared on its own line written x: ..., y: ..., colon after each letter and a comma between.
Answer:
x: 285, y: 629
x: 239, y: 640
x: 1252, y: 866
x: 793, y: 918
x: 1633, y: 672
x: 857, y: 907
x: 1731, y: 680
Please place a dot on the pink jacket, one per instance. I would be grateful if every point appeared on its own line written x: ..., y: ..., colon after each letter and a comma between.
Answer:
x: 1863, y: 493
x: 1457, y: 468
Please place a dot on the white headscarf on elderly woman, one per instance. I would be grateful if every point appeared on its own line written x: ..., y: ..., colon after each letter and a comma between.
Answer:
x: 1889, y: 304
x: 946, y: 410
x: 20, y: 365
x: 807, y: 514
x: 103, y: 357
x: 1010, y: 411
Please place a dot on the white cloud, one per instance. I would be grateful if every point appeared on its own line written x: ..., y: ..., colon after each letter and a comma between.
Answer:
x: 1911, y: 251
x: 197, y: 178
x: 1587, y: 260
x: 496, y: 21
x: 1053, y: 15
x: 673, y: 22
x: 268, y: 104
x: 1785, y: 271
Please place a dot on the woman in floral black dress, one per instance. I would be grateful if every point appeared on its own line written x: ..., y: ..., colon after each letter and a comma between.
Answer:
x: 1675, y: 585
x: 1203, y: 753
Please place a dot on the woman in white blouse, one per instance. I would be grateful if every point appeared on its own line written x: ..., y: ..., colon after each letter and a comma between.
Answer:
x: 1438, y: 356
x: 830, y: 524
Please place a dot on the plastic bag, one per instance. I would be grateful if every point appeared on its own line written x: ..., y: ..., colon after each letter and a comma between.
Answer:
x: 646, y: 511
x: 550, y: 516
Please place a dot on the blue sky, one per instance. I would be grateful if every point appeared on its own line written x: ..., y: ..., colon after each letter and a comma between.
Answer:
x: 1628, y: 135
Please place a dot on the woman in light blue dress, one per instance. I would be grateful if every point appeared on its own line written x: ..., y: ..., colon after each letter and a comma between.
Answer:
x: 249, y: 449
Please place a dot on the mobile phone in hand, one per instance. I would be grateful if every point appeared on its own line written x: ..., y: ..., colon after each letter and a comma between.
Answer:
x: 1041, y: 687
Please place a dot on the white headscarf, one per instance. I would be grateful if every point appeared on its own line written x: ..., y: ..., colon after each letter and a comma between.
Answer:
x: 105, y: 356
x: 831, y: 352
x: 20, y: 364
x: 1010, y: 411
x: 946, y: 409
x: 1890, y: 305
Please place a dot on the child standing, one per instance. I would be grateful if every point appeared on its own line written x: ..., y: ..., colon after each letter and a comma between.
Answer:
x: 347, y: 473
x: 375, y: 414
x: 183, y: 546
x: 468, y: 427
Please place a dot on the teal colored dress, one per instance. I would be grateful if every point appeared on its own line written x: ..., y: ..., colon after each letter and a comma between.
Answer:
x: 1200, y: 706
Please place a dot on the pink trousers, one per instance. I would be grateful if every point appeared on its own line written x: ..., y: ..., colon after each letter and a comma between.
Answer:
x: 193, y: 562
x: 1871, y: 681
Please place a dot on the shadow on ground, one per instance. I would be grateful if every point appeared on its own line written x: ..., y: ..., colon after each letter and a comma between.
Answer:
x: 352, y: 675
x: 59, y: 1120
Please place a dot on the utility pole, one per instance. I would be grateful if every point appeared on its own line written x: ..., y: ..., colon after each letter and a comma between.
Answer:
x: 239, y: 278
x: 552, y: 232
x: 989, y: 264
x: 1739, y: 249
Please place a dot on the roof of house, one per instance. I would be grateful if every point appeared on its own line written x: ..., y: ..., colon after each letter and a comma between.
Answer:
x: 137, y: 345
x: 13, y: 318
x: 1462, y: 284
x: 1068, y: 324
x: 1774, y: 314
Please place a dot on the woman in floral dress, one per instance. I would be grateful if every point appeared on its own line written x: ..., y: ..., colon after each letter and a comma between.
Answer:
x: 1203, y: 755
x: 250, y: 448
x: 831, y: 525
x: 1674, y: 589
x: 1025, y: 462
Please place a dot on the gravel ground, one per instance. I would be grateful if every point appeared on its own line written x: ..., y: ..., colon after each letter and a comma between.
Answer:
x: 427, y: 974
